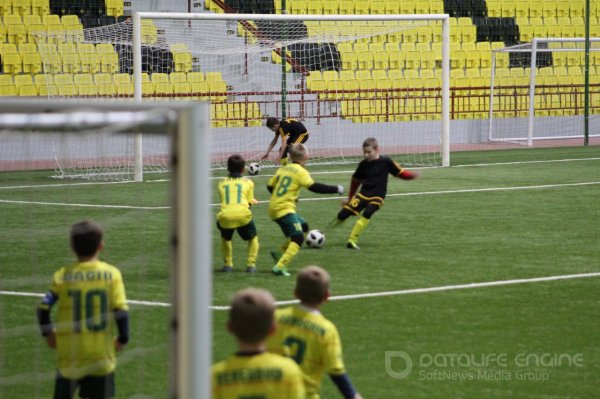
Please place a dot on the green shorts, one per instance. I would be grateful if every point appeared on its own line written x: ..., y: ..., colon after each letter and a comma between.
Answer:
x: 247, y: 232
x: 291, y: 224
x: 101, y: 387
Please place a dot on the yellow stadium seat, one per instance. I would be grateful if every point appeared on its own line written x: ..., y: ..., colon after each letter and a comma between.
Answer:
x: 40, y: 7
x: 104, y: 84
x: 195, y: 77
x: 362, y: 7
x: 13, y: 63
x: 349, y: 60
x: 549, y: 8
x: 45, y: 85
x: 109, y: 62
x: 392, y: 7
x: 314, y: 7
x: 6, y: 7
x: 148, y: 32
x: 114, y: 8
x: 21, y: 7
x: 329, y: 7
x: 407, y: 7
x: 85, y: 84
x: 32, y: 63
x: 182, y: 89
x: 7, y: 85
x: 71, y: 63
x: 346, y: 6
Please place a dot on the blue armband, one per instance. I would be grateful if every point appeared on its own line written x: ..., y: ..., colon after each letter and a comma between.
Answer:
x: 344, y: 385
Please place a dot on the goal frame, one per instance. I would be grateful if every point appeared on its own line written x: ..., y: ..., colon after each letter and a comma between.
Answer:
x: 445, y: 87
x: 533, y: 48
x: 190, y: 236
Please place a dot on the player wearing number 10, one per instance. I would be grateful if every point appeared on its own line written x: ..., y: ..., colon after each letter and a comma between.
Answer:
x: 284, y: 187
x: 237, y: 195
x: 306, y: 336
x: 91, y: 300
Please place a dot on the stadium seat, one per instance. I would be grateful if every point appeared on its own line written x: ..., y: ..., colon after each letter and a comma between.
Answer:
x: 148, y: 32
x: 85, y: 84
x: 330, y: 7
x: 114, y: 8
x: 346, y: 7
x: 45, y: 85
x: 40, y: 7
x: 104, y: 84
x: 32, y: 63
x: 7, y: 85
x: 314, y: 7
x: 12, y: 62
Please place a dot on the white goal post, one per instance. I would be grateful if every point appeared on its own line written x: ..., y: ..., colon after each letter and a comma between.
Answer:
x: 185, y: 125
x: 345, y: 77
x: 547, y: 93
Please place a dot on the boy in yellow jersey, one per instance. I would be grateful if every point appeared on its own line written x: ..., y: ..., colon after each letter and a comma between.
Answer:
x: 284, y: 187
x: 291, y: 132
x: 91, y: 306
x: 372, y: 177
x: 253, y: 372
x: 237, y: 195
x: 305, y: 335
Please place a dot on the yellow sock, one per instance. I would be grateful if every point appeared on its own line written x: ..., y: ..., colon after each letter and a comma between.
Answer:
x: 285, y: 245
x: 358, y: 228
x: 227, y: 251
x: 252, y: 251
x: 288, y: 255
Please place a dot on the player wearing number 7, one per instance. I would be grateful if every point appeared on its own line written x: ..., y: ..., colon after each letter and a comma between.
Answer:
x: 91, y: 306
x: 284, y: 187
x: 306, y: 336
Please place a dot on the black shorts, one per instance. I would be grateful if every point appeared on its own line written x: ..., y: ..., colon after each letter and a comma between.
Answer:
x: 90, y: 387
x: 359, y: 202
x: 300, y: 139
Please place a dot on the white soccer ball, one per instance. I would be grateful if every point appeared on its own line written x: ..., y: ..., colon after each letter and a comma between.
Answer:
x: 253, y: 169
x: 315, y: 239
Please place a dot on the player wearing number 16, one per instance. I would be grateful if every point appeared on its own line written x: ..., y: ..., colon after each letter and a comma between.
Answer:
x: 92, y: 308
x: 285, y: 187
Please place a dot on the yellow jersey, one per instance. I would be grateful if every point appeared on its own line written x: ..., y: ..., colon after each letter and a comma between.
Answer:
x: 88, y: 294
x: 237, y: 194
x: 286, y: 183
x: 264, y: 375
x: 312, y: 341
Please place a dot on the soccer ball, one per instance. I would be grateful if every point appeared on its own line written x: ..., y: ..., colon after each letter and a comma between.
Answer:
x: 253, y: 169
x: 315, y: 239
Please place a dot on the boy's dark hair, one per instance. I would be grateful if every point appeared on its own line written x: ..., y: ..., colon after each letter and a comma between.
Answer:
x: 272, y: 121
x: 235, y: 163
x: 370, y: 142
x: 312, y: 285
x: 86, y: 237
x: 252, y: 315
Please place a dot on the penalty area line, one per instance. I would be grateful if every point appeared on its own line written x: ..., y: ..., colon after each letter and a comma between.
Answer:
x: 374, y: 294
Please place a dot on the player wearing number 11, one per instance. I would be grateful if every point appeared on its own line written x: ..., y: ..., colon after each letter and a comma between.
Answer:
x: 237, y: 196
x: 91, y: 300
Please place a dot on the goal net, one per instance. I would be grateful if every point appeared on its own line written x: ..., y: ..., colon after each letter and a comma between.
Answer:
x: 344, y: 77
x: 539, y: 93
x: 184, y: 127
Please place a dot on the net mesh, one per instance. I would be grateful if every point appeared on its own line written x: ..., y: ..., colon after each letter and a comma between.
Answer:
x: 345, y: 80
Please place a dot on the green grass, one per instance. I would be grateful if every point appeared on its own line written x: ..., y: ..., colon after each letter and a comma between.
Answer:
x: 478, y: 221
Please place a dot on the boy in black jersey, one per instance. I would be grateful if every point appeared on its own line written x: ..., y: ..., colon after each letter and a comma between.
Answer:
x: 372, y: 177
x: 291, y: 132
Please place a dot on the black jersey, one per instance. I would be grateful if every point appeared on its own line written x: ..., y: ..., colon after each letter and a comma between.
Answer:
x: 294, y: 130
x: 374, y: 175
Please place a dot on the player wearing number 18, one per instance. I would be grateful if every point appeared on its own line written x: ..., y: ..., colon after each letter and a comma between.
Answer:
x: 285, y: 187
x: 237, y: 195
x: 91, y: 306
x: 306, y: 336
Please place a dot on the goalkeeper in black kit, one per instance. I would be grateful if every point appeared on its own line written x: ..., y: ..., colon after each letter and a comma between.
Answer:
x: 371, y: 176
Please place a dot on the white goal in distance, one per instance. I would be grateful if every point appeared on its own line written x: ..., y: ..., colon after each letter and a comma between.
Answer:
x: 546, y: 94
x: 346, y: 77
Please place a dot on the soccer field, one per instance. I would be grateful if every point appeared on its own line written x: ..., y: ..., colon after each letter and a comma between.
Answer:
x: 481, y: 280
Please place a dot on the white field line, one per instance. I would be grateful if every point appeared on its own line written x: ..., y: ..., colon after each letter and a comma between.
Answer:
x: 376, y: 294
x: 473, y: 190
x: 312, y: 173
